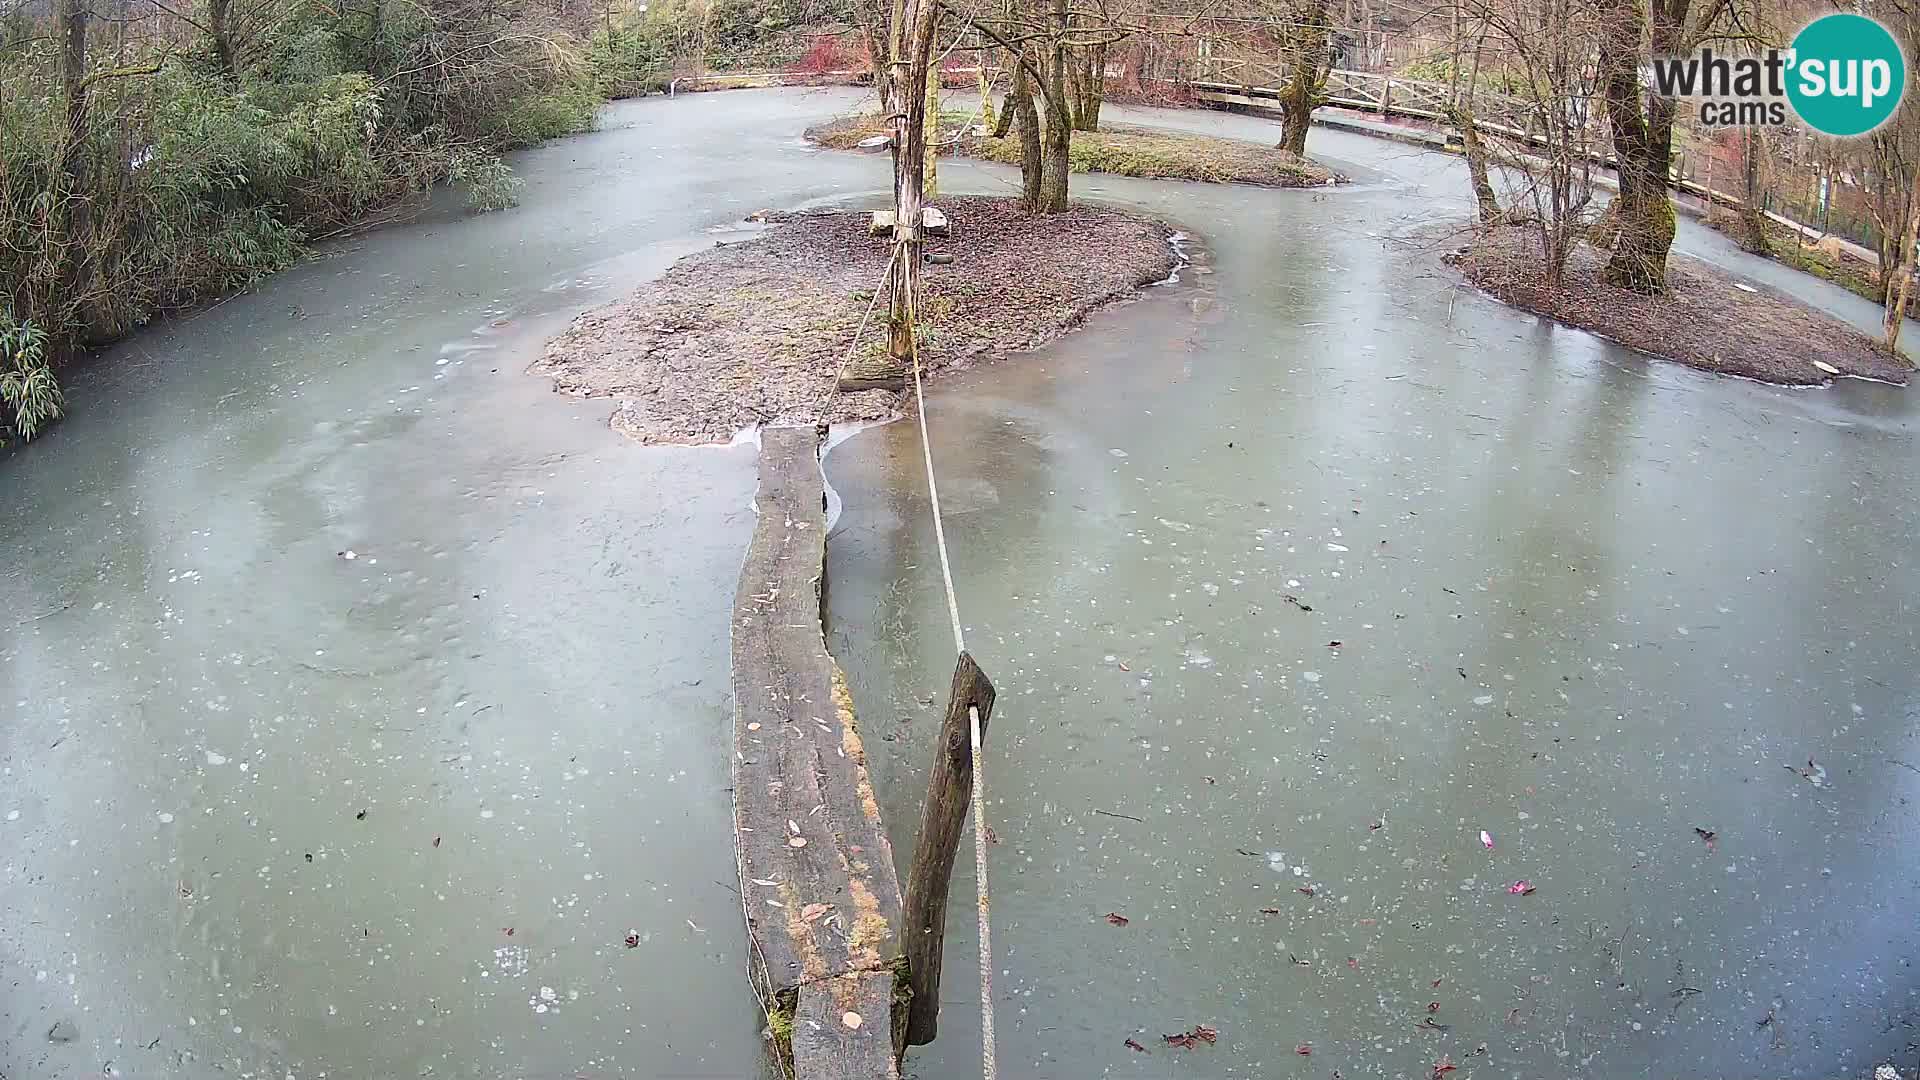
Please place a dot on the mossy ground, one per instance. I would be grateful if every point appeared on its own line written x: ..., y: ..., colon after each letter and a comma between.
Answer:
x: 1118, y: 149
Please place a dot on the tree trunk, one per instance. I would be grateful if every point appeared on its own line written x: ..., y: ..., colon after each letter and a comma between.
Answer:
x: 1015, y: 94
x: 1753, y: 210
x: 1059, y: 126
x: 218, y: 25
x: 1056, y: 161
x: 1307, y: 57
x: 71, y: 19
x: 912, y: 56
x: 1075, y: 76
x: 1296, y: 114
x: 1027, y: 119
x: 987, y: 118
x: 1090, y: 87
x: 1895, y: 316
x: 1483, y: 194
x: 877, y: 61
x: 930, y: 184
x: 1900, y: 282
x: 1642, y: 141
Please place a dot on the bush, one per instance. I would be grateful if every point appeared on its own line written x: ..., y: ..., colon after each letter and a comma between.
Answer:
x: 630, y: 62
x: 490, y: 182
x: 27, y: 388
x: 192, y: 180
x: 563, y: 110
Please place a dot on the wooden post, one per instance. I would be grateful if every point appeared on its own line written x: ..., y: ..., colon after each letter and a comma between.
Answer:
x: 913, y: 55
x: 1386, y: 96
x: 949, y: 791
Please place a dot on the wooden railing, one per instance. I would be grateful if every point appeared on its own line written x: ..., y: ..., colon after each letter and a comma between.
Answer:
x: 1389, y: 95
x: 1246, y: 81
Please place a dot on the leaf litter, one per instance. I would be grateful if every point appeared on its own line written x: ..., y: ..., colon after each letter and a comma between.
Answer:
x: 1192, y: 1037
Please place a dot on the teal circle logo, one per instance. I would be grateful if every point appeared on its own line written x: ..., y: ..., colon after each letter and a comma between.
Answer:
x: 1847, y: 76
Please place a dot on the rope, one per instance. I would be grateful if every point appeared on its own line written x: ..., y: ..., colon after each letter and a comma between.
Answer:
x: 886, y: 277
x: 933, y: 495
x: 988, y: 1070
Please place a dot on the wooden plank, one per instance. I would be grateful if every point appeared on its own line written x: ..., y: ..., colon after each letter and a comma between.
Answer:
x: 821, y: 898
x: 949, y: 792
x: 841, y: 1028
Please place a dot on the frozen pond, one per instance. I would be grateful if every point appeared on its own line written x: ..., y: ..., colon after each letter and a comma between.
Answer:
x: 1585, y: 603
x: 1661, y: 587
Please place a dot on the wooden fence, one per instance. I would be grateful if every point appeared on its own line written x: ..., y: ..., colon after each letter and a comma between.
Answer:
x: 1227, y: 80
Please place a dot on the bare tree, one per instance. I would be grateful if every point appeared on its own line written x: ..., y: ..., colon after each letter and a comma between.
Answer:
x: 1305, y: 29
x: 1753, y: 197
x: 1641, y: 218
x: 870, y: 19
x: 911, y: 57
x: 1547, y: 45
x: 1461, y: 114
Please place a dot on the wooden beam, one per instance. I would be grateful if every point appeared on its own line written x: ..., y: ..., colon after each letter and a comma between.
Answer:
x: 821, y: 897
x: 949, y: 792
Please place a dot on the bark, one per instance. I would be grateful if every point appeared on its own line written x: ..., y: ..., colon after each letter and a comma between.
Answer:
x: 71, y: 27
x: 943, y: 817
x: 1059, y: 126
x: 1296, y: 115
x: 1483, y: 194
x: 1308, y: 63
x: 1015, y: 93
x: 987, y: 117
x: 930, y: 159
x: 219, y: 15
x: 1089, y: 87
x: 1753, y: 212
x: 877, y: 61
x: 1642, y: 139
x: 1900, y: 282
x: 1895, y: 316
x: 912, y: 57
x: 1027, y: 118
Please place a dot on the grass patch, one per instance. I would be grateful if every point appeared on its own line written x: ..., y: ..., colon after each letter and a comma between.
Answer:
x: 780, y: 1029
x: 1788, y: 246
x: 1121, y: 150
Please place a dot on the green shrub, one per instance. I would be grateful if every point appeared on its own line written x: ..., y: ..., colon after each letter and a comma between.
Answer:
x: 191, y: 181
x: 564, y: 110
x: 490, y: 182
x: 628, y: 62
x: 27, y: 388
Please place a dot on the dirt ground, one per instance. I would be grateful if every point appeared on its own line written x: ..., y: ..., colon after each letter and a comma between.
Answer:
x: 1120, y: 149
x: 1707, y: 319
x: 756, y: 332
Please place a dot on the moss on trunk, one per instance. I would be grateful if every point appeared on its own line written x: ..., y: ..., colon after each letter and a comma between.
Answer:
x: 1644, y: 225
